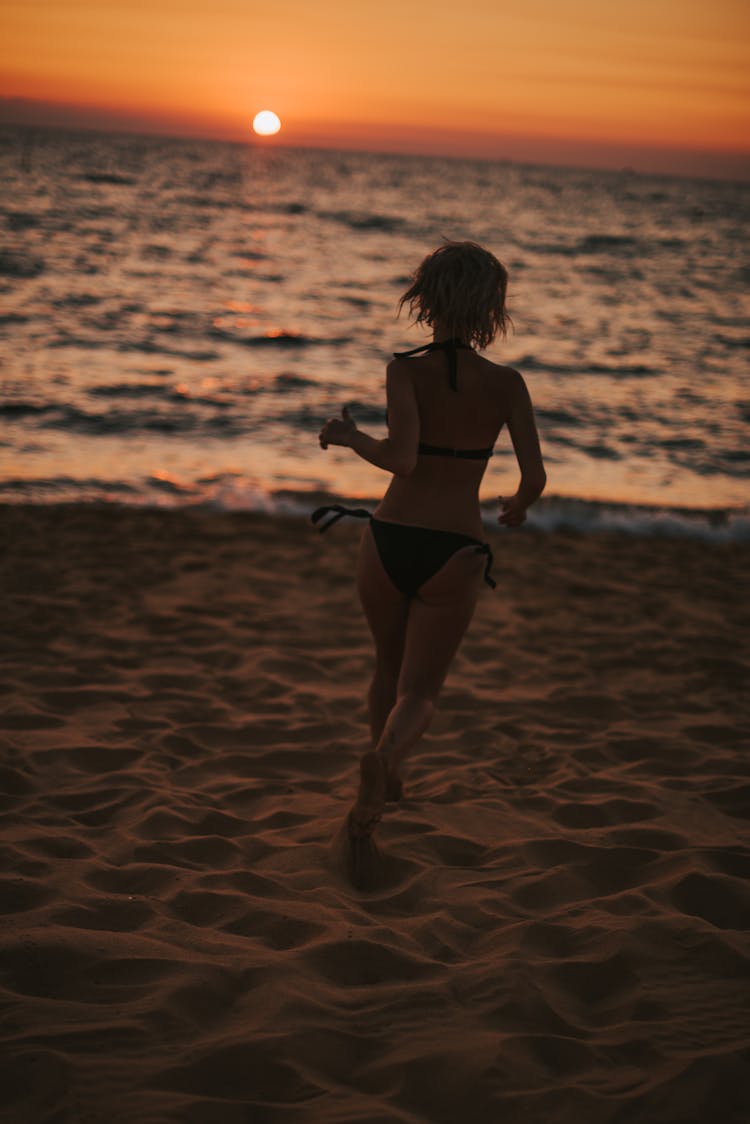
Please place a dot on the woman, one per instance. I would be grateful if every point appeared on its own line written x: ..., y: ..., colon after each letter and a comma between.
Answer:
x: 422, y: 558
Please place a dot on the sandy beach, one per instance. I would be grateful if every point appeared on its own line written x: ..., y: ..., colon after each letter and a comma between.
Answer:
x: 553, y: 924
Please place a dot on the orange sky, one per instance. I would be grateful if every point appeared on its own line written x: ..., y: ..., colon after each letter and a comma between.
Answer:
x: 588, y: 81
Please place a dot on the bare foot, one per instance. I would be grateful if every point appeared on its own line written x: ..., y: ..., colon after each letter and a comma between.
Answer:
x: 368, y: 807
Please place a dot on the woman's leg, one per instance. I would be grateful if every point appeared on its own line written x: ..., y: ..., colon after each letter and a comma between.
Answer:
x: 386, y: 610
x: 438, y: 619
x: 421, y: 637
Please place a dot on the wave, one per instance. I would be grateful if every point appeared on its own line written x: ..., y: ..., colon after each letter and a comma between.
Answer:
x: 20, y: 265
x: 61, y: 489
x: 82, y: 300
x: 616, y: 245
x: 230, y: 491
x: 120, y: 422
x: 128, y: 390
x: 204, y: 201
x: 361, y: 220
x: 21, y: 220
x: 619, y: 370
x: 557, y: 513
x: 741, y: 343
x: 114, y: 178
x: 606, y: 243
x: 148, y: 347
x: 286, y: 382
x: 279, y: 338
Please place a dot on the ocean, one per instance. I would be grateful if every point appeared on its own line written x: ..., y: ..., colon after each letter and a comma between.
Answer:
x: 179, y: 317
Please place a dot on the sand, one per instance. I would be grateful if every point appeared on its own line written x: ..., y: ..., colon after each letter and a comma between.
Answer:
x: 553, y: 924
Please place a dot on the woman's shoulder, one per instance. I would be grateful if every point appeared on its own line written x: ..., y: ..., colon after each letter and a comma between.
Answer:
x: 507, y: 376
x: 501, y: 369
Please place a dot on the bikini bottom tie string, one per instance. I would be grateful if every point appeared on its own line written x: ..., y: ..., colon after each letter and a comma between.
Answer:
x: 339, y: 512
x: 485, y: 549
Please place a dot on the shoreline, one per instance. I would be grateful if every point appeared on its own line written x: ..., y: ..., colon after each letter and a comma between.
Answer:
x: 549, y: 515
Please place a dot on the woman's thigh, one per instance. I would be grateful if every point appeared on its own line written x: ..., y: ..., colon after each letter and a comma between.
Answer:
x: 385, y: 607
x: 438, y: 618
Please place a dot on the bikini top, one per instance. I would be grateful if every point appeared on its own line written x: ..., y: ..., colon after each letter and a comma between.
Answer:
x: 449, y: 347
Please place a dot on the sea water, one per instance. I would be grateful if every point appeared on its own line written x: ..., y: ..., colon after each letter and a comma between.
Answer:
x: 179, y: 317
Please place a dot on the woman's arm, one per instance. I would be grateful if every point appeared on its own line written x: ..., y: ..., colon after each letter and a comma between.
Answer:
x: 396, y: 453
x: 523, y: 434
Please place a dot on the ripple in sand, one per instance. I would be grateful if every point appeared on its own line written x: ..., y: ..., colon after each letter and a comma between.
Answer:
x: 454, y: 850
x: 707, y: 1088
x: 113, y: 916
x: 581, y: 815
x: 96, y: 759
x: 29, y: 720
x: 197, y: 853
x: 17, y: 896
x: 559, y: 1054
x: 596, y: 984
x: 360, y: 963
x: 14, y: 783
x: 205, y: 907
x: 561, y: 942
x: 253, y: 1071
x: 654, y: 838
x: 248, y: 883
x: 734, y: 800
x: 719, y: 899
x: 136, y: 878
x: 279, y: 931
x: 164, y: 824
x: 59, y: 846
x: 129, y: 971
x: 604, y: 813
x: 46, y: 969
x: 16, y: 859
x: 207, y: 999
x: 40, y: 1078
x: 603, y: 871
x: 736, y: 863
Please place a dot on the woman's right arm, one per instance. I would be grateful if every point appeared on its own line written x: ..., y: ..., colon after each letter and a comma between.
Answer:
x: 523, y: 434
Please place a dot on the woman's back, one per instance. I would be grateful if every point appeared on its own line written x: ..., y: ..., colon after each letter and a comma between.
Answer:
x: 442, y: 491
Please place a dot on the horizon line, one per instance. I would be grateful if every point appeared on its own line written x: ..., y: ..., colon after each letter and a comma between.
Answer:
x: 564, y: 152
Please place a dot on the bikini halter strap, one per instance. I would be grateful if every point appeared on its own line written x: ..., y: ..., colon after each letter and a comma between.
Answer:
x: 450, y: 347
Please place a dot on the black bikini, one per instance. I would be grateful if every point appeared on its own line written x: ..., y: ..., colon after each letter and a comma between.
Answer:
x: 411, y: 555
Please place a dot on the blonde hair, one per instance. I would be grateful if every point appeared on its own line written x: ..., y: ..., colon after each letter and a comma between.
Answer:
x: 461, y: 287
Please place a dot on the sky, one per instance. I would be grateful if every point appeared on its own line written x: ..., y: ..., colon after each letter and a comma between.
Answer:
x: 658, y: 85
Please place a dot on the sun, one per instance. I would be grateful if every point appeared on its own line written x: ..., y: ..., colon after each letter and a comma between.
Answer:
x: 266, y: 123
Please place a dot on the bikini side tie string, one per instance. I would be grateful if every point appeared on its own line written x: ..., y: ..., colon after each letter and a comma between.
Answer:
x: 340, y: 512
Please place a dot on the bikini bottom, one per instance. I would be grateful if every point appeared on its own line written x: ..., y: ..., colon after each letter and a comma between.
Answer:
x: 410, y: 555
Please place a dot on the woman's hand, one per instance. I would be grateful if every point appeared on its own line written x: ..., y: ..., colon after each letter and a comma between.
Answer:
x: 338, y: 431
x: 512, y: 512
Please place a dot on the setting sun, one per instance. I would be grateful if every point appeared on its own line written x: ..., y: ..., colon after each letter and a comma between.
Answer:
x: 266, y: 123
x: 654, y: 84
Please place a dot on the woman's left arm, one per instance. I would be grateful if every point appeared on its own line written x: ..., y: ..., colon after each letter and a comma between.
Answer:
x: 396, y: 453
